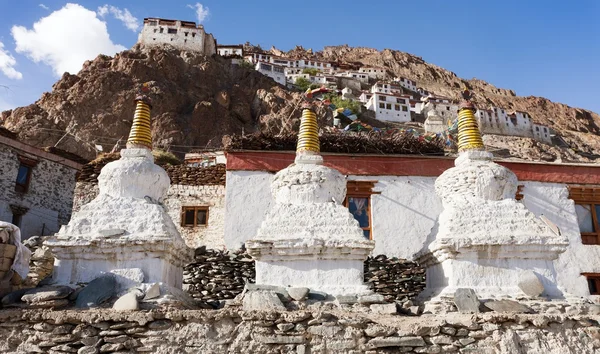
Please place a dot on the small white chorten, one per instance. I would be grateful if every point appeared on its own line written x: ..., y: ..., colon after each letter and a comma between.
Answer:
x: 125, y: 226
x: 308, y: 239
x: 485, y: 238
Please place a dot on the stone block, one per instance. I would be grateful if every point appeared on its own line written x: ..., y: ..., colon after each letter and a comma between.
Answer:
x: 279, y: 339
x: 385, y: 309
x: 466, y: 300
x: 507, y: 306
x: 346, y: 299
x: 381, y: 342
x: 317, y: 295
x: 530, y: 283
x: 262, y: 300
x: 284, y: 327
x: 298, y: 293
x: 371, y: 299
x: 152, y: 292
x: 46, y: 293
x: 324, y: 331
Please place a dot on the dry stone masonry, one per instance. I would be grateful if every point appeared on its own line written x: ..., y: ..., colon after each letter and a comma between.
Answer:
x: 314, y: 330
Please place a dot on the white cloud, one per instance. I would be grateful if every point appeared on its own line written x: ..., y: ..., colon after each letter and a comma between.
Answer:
x: 44, y: 7
x: 7, y: 63
x: 65, y: 39
x: 130, y: 21
x: 201, y: 11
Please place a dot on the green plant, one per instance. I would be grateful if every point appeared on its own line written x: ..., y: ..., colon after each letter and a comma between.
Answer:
x: 246, y: 64
x: 303, y: 84
x: 162, y: 157
x: 310, y: 71
x: 340, y: 102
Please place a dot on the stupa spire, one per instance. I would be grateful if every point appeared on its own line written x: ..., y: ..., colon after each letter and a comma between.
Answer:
x: 469, y: 136
x: 140, y: 135
x: 308, y: 136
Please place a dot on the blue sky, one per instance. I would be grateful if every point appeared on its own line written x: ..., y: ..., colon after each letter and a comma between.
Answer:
x: 541, y: 48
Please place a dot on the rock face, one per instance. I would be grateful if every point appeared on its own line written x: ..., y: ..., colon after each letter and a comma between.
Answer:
x: 186, y: 95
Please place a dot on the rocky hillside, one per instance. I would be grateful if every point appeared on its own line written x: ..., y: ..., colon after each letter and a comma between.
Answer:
x: 579, y: 127
x: 196, y: 100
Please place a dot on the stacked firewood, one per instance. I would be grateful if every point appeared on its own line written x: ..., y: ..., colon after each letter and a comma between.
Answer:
x: 399, y: 142
x: 396, y: 279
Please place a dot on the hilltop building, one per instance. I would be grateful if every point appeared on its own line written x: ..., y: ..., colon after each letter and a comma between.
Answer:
x: 276, y: 72
x: 390, y: 107
x: 498, y: 121
x: 230, y: 50
x: 183, y: 35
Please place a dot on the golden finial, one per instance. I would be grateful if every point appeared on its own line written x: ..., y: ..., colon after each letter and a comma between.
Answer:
x: 140, y: 135
x: 308, y: 137
x: 469, y: 136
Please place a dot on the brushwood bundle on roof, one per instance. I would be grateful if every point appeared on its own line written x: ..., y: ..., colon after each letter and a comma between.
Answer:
x: 349, y: 142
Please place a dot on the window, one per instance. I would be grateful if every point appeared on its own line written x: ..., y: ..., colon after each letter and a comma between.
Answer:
x: 358, y: 202
x: 194, y: 216
x: 16, y: 219
x: 400, y: 100
x: 24, y: 175
x: 397, y: 107
x: 388, y: 106
x: 381, y: 105
x: 382, y: 98
x: 161, y: 30
x: 172, y: 30
x: 593, y: 280
x: 186, y: 34
x: 587, y: 208
x: 404, y: 109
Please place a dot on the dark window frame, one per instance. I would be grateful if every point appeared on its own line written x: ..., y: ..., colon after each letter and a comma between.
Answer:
x: 195, y: 209
x: 588, y: 196
x: 593, y: 282
x: 29, y: 164
x: 362, y: 189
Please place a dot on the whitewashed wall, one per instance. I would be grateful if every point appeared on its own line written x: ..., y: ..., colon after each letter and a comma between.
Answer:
x: 406, y: 210
x: 552, y: 200
x: 247, y: 200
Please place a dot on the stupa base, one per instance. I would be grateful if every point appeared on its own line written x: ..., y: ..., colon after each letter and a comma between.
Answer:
x: 81, y: 261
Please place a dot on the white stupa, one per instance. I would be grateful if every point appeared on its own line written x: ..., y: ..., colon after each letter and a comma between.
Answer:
x: 309, y: 239
x: 125, y: 226
x: 484, y: 238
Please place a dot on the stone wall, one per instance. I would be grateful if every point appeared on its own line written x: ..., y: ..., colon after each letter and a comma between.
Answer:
x: 316, y: 329
x: 49, y: 198
x: 220, y: 275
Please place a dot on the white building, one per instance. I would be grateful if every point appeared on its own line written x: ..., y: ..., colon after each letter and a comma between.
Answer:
x: 230, y: 51
x: 399, y: 208
x: 389, y: 107
x: 406, y: 83
x: 498, y: 121
x: 273, y: 71
x: 445, y: 107
x: 386, y: 87
x: 362, y: 77
x: 374, y: 72
x: 183, y: 35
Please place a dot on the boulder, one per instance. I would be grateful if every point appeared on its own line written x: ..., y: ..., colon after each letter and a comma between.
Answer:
x: 127, y: 302
x: 97, y: 291
x: 14, y: 298
x: 385, y: 309
x: 466, y: 300
x: 530, y: 284
x: 298, y: 293
x: 153, y: 292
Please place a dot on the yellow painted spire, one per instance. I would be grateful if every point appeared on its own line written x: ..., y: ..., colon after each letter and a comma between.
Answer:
x: 308, y: 137
x: 469, y: 136
x: 141, y: 133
